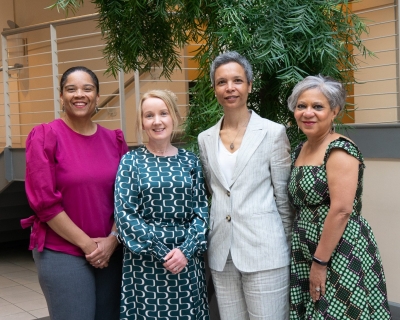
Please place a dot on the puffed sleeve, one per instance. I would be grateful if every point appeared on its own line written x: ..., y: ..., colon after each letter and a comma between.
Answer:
x: 122, y: 146
x: 40, y: 181
x: 196, y: 240
x: 134, y: 231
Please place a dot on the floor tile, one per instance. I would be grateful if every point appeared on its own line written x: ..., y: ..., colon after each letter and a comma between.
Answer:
x: 19, y: 274
x: 40, y: 313
x: 29, y: 266
x: 5, y: 282
x: 22, y: 297
x: 6, y: 267
x: 22, y: 277
x: 32, y: 304
x: 19, y: 316
x: 34, y: 286
x: 26, y: 262
x: 12, y: 290
x: 3, y: 302
x: 27, y: 280
x: 8, y: 309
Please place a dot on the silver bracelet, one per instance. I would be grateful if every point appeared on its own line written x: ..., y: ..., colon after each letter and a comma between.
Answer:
x: 116, y: 235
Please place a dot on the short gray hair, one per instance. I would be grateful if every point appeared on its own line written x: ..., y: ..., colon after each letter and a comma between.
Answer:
x: 333, y: 90
x: 227, y: 57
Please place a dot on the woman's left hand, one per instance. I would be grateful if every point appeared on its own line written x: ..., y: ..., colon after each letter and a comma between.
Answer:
x: 175, y: 261
x: 317, y: 281
x: 105, y: 248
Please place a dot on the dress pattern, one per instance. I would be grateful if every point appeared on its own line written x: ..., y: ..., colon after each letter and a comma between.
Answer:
x: 161, y: 204
x: 356, y: 286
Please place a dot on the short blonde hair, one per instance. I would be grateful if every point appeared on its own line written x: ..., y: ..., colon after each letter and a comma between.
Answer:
x: 170, y: 100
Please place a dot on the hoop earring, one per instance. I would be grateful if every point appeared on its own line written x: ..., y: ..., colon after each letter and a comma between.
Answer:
x: 298, y: 129
x: 332, y: 131
x: 96, y: 109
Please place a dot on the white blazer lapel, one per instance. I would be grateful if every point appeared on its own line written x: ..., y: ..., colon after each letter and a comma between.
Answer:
x: 212, y: 148
x: 255, y: 133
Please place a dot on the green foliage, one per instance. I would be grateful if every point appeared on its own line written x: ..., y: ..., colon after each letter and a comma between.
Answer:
x: 284, y: 40
x: 141, y: 35
x: 66, y: 5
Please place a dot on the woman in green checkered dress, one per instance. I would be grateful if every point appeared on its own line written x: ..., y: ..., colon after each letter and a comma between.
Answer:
x: 336, y: 269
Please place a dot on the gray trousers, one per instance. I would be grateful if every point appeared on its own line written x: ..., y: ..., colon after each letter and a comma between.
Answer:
x: 74, y: 290
x: 262, y: 295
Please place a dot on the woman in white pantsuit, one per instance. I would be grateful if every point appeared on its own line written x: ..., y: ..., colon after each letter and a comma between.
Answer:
x: 246, y: 164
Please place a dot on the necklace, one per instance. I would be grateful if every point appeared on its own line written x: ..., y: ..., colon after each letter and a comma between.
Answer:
x: 232, y: 145
x: 161, y: 152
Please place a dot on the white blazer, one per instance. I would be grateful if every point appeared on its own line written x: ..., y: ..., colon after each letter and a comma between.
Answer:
x: 251, y: 217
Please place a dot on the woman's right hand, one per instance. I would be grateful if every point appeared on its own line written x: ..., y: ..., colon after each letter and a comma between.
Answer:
x: 89, y: 249
x: 175, y: 261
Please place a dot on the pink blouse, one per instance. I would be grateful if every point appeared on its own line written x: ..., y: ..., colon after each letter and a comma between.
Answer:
x: 67, y: 171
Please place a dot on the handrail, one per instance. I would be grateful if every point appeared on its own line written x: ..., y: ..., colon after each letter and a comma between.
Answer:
x: 16, y: 66
x: 45, y: 25
x: 114, y: 94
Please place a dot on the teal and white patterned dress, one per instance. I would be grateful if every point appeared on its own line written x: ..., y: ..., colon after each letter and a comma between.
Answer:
x: 356, y: 286
x: 161, y: 204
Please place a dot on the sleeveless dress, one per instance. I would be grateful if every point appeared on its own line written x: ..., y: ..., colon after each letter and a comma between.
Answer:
x: 356, y: 286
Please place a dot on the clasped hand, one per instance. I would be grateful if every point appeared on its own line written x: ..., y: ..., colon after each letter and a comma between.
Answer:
x: 100, y: 257
x: 175, y: 261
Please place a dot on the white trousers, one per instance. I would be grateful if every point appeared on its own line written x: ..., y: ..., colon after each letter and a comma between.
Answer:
x: 262, y: 295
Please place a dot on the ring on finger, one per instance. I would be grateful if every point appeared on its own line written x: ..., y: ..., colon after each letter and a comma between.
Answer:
x: 318, y: 289
x: 98, y: 261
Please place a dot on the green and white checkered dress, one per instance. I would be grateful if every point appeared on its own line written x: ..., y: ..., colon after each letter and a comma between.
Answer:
x: 356, y: 286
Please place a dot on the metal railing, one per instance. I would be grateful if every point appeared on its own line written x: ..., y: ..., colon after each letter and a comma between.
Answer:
x: 33, y: 59
x: 376, y: 92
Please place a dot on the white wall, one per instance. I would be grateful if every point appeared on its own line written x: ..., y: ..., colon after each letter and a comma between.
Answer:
x: 381, y: 208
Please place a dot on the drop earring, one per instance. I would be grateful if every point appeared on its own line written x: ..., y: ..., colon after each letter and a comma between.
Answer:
x: 332, y: 128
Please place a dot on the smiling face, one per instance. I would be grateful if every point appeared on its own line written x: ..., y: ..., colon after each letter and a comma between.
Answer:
x: 231, y: 86
x: 156, y: 120
x: 313, y: 113
x: 79, y: 95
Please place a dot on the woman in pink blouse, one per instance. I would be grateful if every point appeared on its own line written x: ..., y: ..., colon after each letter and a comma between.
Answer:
x: 71, y: 165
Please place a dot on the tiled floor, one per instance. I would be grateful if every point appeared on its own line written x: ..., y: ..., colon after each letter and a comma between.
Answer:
x: 20, y: 295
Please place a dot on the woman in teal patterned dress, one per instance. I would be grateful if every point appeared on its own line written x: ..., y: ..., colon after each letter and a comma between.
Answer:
x: 161, y: 214
x: 336, y: 269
